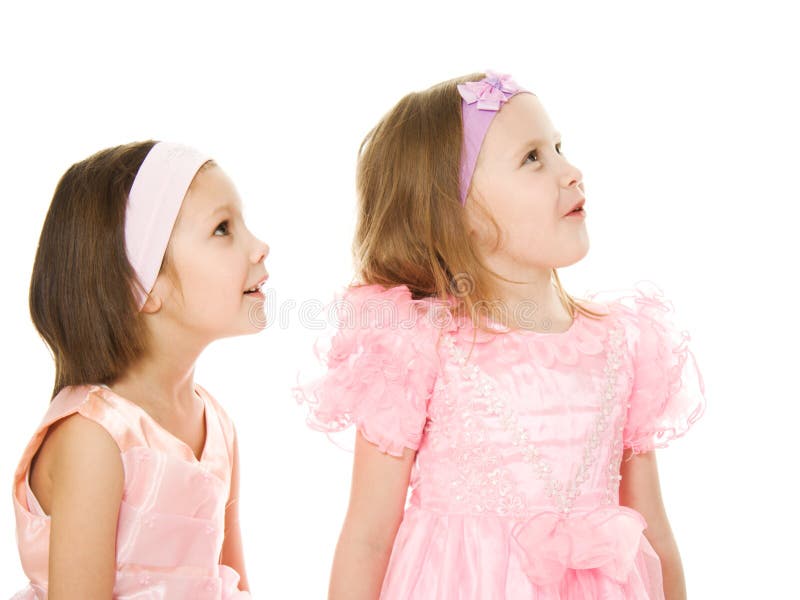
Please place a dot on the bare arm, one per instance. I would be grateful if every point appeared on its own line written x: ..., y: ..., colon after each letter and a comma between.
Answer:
x: 82, y: 481
x: 232, y: 552
x: 377, y: 500
x: 640, y: 490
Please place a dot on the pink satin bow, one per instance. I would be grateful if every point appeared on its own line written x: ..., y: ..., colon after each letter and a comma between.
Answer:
x: 490, y: 92
x: 606, y: 538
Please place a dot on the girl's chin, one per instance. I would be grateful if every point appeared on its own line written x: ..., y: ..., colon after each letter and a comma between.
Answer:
x: 256, y: 317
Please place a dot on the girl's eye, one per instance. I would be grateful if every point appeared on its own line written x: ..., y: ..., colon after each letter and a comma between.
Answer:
x: 223, y: 226
x: 534, y: 157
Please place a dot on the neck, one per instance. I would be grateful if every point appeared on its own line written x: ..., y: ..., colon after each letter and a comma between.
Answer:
x: 533, y: 302
x: 163, y: 377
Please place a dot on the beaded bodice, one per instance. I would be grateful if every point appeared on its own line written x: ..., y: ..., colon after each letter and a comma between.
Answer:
x: 517, y: 441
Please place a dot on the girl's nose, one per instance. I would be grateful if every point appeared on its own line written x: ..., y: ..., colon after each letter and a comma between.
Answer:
x: 571, y: 176
x: 260, y: 251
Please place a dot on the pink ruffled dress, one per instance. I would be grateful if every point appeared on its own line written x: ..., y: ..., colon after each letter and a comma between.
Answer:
x: 519, y: 440
x: 172, y: 517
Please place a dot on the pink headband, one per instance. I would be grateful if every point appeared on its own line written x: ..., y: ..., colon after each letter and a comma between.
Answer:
x: 481, y: 100
x: 153, y: 204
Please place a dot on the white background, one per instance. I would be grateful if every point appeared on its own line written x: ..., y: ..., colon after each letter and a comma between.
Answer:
x: 682, y: 117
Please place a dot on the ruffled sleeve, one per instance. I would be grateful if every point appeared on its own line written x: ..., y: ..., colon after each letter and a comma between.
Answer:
x: 668, y: 393
x: 380, y: 369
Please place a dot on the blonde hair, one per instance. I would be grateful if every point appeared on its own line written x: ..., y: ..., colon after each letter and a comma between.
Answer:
x: 411, y: 227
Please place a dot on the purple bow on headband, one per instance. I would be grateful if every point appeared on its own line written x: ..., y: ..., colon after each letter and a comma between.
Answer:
x: 490, y: 92
x: 481, y: 100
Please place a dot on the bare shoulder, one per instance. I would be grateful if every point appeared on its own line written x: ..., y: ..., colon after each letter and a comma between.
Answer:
x: 79, y: 459
x: 85, y: 473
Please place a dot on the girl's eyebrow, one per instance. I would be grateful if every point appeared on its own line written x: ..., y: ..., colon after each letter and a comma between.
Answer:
x: 228, y: 206
x: 538, y: 142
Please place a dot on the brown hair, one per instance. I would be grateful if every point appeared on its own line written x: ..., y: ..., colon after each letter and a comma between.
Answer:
x: 82, y: 299
x: 411, y: 227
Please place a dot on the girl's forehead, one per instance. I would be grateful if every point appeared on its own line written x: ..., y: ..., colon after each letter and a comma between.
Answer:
x: 523, y: 114
x: 522, y: 121
x: 211, y: 195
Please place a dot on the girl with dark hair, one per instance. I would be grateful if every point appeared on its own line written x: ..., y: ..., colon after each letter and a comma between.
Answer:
x: 129, y: 486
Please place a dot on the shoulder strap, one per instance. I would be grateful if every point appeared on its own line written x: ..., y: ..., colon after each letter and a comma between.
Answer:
x: 225, y: 422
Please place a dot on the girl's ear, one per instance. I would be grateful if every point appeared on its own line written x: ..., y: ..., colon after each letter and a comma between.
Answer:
x: 167, y: 287
x: 152, y: 304
x: 478, y: 221
x: 473, y: 221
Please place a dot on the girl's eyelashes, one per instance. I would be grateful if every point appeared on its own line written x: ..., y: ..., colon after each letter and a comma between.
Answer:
x: 224, y: 226
x: 533, y: 155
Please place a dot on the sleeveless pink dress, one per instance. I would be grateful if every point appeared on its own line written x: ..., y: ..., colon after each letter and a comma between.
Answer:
x: 518, y: 439
x: 172, y: 516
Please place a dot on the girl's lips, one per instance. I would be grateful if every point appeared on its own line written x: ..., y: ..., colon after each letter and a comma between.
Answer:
x: 258, y: 284
x: 577, y: 214
x: 578, y: 206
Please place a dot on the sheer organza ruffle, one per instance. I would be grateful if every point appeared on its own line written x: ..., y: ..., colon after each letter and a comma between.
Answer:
x: 381, y: 365
x: 668, y: 393
x: 585, y: 337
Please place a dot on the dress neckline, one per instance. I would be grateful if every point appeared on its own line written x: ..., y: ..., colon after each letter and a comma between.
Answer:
x: 576, y: 322
x: 171, y: 436
x: 586, y: 336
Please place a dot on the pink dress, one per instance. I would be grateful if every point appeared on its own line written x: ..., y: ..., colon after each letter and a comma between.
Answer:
x: 515, y: 487
x: 172, y: 516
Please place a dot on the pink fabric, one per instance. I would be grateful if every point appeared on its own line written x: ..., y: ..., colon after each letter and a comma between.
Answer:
x: 668, y: 387
x: 515, y: 488
x: 400, y: 364
x: 172, y: 516
x: 153, y: 205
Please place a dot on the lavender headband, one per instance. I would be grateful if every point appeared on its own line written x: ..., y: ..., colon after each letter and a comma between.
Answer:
x: 480, y: 102
x: 153, y: 204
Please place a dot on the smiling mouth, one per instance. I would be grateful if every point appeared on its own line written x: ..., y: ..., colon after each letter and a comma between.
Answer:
x: 256, y: 289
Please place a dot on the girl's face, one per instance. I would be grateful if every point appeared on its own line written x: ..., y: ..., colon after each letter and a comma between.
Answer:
x: 528, y: 186
x: 214, y: 259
